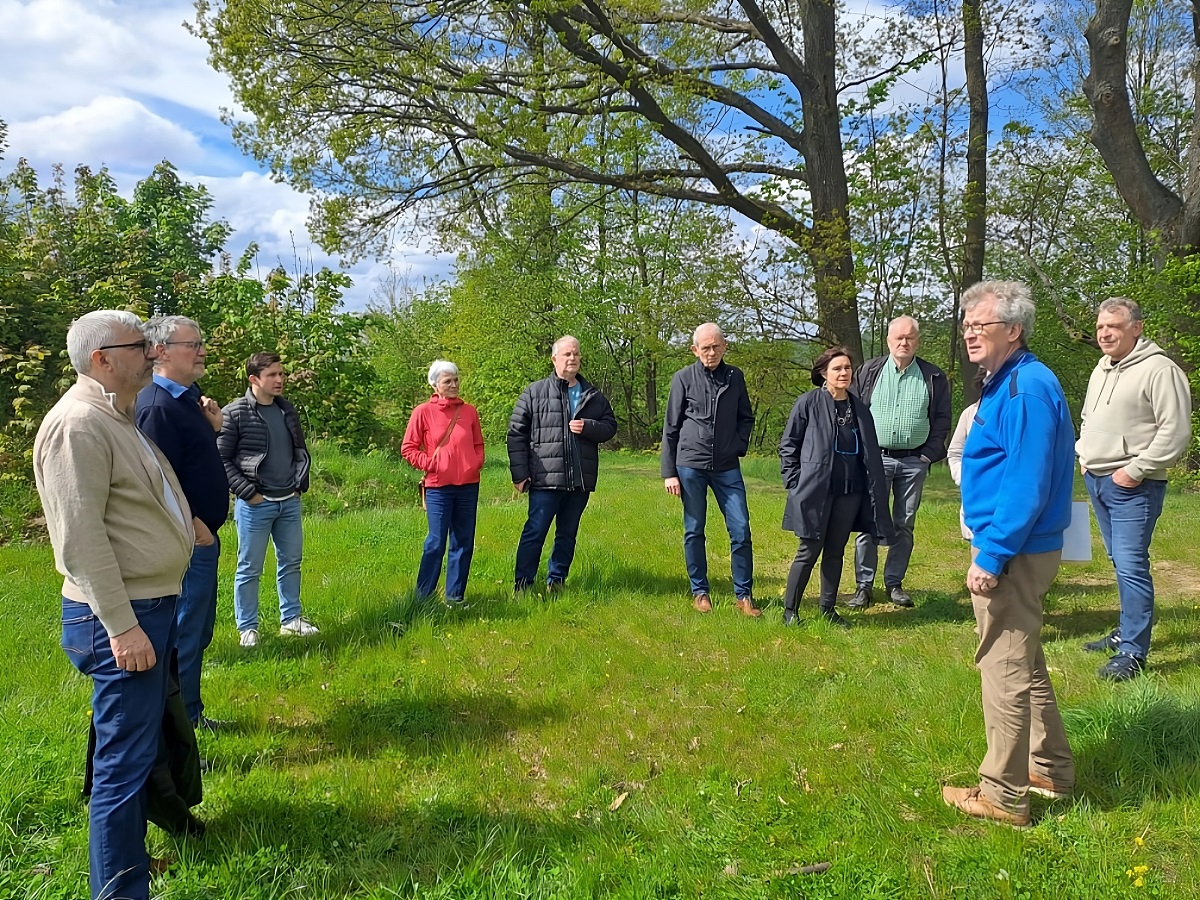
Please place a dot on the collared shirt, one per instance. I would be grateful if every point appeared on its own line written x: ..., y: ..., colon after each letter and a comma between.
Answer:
x: 900, y: 406
x: 174, y: 388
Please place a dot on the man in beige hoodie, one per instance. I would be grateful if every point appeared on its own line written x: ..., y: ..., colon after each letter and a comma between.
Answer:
x: 122, y: 536
x: 1136, y: 424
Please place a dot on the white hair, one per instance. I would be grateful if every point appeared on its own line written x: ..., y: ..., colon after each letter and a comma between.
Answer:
x: 706, y: 326
x: 1014, y: 303
x: 93, y: 330
x: 562, y: 340
x: 902, y: 319
x: 161, y: 329
x: 440, y: 367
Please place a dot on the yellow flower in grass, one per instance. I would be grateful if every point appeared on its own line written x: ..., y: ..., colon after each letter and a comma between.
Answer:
x: 1137, y: 882
x: 1139, y: 841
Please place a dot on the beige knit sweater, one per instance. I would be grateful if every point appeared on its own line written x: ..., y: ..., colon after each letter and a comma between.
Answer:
x: 115, y: 537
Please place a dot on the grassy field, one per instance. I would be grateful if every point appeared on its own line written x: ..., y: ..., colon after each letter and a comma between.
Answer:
x: 611, y: 742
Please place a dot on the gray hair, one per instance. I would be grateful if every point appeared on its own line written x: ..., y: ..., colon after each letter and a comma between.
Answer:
x: 899, y: 319
x: 705, y: 326
x: 1130, y: 306
x: 440, y: 367
x: 562, y: 340
x: 93, y: 330
x: 161, y: 329
x: 1014, y: 303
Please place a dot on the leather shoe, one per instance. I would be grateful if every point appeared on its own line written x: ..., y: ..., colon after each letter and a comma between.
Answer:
x: 1110, y: 643
x: 789, y: 617
x: 702, y: 603
x: 1122, y: 667
x: 900, y: 597
x: 1044, y: 787
x: 831, y: 616
x: 862, y: 598
x: 746, y: 607
x: 974, y: 802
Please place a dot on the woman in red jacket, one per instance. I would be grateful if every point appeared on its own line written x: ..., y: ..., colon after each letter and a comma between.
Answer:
x: 443, y: 439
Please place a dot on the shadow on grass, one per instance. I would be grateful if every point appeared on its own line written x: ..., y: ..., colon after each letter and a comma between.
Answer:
x: 338, y: 849
x: 1139, y: 742
x: 931, y: 606
x: 1078, y: 623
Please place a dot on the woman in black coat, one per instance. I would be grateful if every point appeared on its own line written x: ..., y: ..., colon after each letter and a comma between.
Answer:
x: 833, y: 471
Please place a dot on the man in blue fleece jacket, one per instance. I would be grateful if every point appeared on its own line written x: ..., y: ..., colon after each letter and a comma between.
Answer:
x: 1017, y: 473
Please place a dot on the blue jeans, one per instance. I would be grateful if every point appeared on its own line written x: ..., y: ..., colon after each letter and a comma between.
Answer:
x: 565, y: 508
x: 127, y: 711
x: 256, y: 524
x: 905, y: 479
x: 730, y: 491
x: 195, y: 618
x: 451, y: 511
x: 1126, y: 518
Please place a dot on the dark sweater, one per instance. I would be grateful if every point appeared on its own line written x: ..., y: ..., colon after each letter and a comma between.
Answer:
x: 187, y: 440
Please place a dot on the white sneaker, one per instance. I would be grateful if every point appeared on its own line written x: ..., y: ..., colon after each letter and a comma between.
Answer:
x: 298, y: 627
x: 249, y: 637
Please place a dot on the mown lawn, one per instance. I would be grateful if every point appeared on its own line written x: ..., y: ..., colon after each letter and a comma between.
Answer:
x: 611, y: 742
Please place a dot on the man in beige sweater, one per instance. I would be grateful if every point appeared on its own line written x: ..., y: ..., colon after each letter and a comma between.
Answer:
x: 122, y: 536
x: 1136, y: 424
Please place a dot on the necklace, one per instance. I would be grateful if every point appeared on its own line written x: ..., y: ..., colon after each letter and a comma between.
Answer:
x: 842, y: 419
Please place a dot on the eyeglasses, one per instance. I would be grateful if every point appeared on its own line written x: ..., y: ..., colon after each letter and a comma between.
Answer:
x: 977, y: 327
x: 144, y: 344
x: 194, y: 346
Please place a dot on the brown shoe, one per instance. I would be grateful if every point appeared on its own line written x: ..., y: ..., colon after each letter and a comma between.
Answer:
x: 973, y: 802
x: 747, y: 608
x: 1044, y: 787
x: 702, y: 603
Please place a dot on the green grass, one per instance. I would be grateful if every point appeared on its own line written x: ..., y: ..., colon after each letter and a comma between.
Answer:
x: 412, y: 751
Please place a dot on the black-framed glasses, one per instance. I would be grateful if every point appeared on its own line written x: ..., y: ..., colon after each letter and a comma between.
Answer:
x: 194, y: 346
x: 977, y: 327
x: 144, y: 344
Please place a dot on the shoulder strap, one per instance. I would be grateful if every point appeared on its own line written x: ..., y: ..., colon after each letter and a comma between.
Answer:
x: 446, y: 437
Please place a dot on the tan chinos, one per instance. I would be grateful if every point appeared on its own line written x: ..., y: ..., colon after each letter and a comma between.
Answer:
x: 1020, y: 713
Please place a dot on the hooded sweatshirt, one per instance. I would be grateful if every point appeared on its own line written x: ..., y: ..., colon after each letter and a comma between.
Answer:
x: 461, y: 459
x: 1137, y: 415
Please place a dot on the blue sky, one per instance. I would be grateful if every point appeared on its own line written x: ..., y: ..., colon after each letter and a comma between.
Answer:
x: 124, y: 85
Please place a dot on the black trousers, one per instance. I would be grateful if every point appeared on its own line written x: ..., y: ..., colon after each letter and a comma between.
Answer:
x: 839, y: 521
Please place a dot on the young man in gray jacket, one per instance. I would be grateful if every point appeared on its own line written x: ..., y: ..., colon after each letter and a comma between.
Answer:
x: 706, y: 432
x: 1136, y: 424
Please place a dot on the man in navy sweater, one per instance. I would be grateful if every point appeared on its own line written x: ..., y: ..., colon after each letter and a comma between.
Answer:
x: 184, y: 424
x: 1017, y: 473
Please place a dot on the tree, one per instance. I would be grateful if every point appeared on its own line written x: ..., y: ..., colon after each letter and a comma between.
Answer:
x: 382, y: 107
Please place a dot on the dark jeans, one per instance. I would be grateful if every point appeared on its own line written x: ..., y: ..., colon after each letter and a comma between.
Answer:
x: 195, y: 618
x: 127, y: 712
x: 839, y: 522
x: 730, y: 491
x: 565, y: 509
x: 905, y: 480
x: 451, y: 512
x: 1126, y: 518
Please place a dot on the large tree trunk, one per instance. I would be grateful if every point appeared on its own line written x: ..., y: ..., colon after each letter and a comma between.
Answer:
x: 975, y: 191
x: 828, y: 247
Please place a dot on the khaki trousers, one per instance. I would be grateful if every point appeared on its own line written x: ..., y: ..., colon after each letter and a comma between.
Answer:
x: 1024, y: 728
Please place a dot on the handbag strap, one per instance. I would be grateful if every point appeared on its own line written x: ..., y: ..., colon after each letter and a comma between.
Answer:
x: 446, y: 437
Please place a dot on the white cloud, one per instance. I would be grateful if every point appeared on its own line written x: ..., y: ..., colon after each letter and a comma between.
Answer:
x: 114, y: 131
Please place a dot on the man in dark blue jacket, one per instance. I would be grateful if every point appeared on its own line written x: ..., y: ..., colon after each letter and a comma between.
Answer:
x: 172, y: 412
x: 706, y: 432
x: 1018, y: 467
x: 553, y: 455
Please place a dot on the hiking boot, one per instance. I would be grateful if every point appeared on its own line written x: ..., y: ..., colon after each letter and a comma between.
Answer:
x: 900, y: 597
x: 1122, y: 667
x: 831, y: 616
x: 1044, y: 787
x: 249, y: 638
x: 1110, y: 643
x: 747, y: 608
x: 298, y: 627
x: 702, y: 603
x: 862, y: 598
x: 974, y: 802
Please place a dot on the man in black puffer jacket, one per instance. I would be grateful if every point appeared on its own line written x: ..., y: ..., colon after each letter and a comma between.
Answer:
x: 553, y: 454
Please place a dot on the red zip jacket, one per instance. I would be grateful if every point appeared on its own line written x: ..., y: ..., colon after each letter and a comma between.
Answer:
x: 460, y: 461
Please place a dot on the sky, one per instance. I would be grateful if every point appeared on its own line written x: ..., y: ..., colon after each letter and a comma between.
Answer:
x: 124, y: 85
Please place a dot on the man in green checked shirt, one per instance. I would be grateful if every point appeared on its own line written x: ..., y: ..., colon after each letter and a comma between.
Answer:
x: 909, y: 399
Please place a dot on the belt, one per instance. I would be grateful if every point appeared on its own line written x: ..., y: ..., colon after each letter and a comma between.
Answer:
x: 897, y: 454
